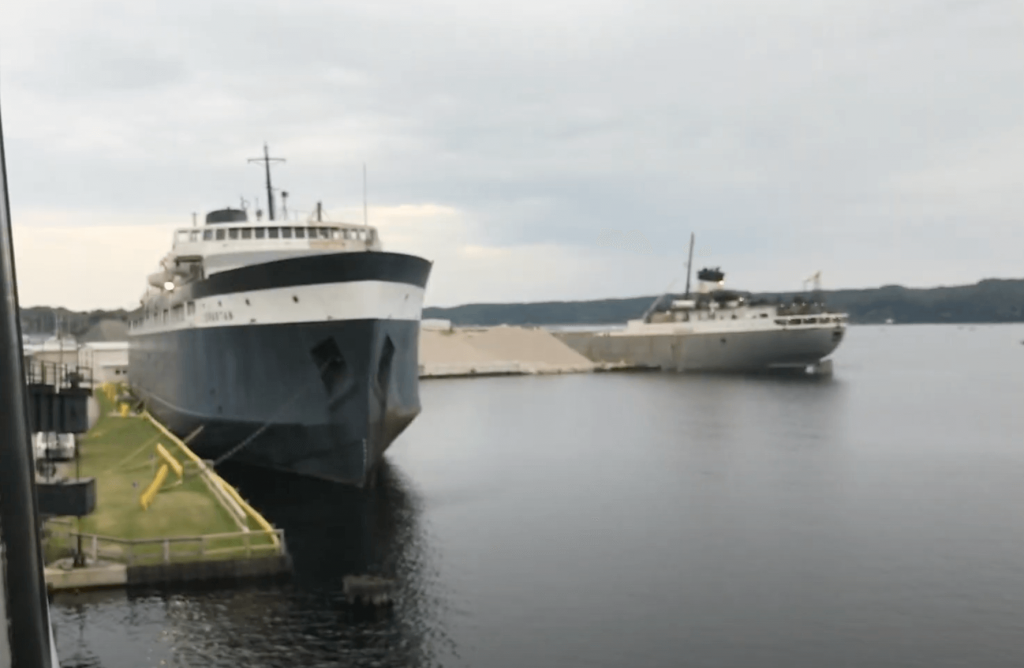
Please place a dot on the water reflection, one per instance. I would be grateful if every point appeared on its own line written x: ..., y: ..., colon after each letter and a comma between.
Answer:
x: 331, y: 531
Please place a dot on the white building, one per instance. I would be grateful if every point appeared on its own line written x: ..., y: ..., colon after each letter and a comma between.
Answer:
x: 53, y: 351
x: 107, y: 359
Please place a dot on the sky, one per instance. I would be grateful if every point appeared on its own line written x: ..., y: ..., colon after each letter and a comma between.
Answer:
x: 536, y: 150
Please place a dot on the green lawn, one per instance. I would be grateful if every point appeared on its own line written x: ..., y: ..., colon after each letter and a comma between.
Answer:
x: 121, y: 454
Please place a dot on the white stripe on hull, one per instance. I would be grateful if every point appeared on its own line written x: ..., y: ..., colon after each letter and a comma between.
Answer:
x: 351, y: 300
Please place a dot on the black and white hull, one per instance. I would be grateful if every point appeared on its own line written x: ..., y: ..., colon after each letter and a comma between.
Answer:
x: 307, y: 365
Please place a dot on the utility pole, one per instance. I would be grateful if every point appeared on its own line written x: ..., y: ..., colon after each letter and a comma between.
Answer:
x: 26, y: 622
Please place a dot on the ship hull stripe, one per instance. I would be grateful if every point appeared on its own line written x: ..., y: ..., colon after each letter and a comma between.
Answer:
x: 311, y: 270
x: 325, y: 302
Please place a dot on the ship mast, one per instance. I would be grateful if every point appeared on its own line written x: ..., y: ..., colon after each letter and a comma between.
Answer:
x: 266, y: 160
x: 689, y: 263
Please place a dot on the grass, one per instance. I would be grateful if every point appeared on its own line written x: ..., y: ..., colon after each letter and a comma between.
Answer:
x: 120, y: 452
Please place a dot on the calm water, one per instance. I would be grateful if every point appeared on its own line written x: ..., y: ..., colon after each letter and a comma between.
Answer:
x: 876, y: 519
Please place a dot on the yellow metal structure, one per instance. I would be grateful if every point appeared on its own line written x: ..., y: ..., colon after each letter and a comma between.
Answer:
x: 215, y: 479
x: 124, y: 410
x: 175, y: 465
x: 147, y: 497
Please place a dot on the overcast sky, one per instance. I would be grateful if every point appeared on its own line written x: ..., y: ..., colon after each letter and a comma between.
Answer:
x: 542, y: 149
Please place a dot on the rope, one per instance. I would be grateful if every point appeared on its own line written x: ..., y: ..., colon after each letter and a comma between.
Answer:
x: 263, y: 427
x: 134, y: 454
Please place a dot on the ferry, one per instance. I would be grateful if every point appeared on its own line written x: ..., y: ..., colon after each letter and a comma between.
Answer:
x: 291, y: 345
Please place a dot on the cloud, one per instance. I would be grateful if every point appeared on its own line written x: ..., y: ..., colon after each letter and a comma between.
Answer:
x: 85, y: 267
x: 789, y: 136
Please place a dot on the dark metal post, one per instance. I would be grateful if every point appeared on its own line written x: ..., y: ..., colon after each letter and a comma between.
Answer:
x: 270, y: 190
x: 27, y: 606
x: 689, y: 263
x: 266, y: 160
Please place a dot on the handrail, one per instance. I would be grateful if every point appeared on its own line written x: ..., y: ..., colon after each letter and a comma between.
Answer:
x: 132, y: 556
x: 212, y: 475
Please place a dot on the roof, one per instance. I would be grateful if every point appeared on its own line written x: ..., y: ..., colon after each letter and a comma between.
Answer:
x: 106, y: 345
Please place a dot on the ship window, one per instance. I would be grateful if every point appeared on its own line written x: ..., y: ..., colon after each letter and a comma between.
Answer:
x: 324, y: 232
x: 207, y: 235
x: 165, y: 315
x: 247, y: 233
x: 260, y: 232
x: 272, y: 232
x: 220, y: 235
x: 182, y: 235
x: 194, y: 236
x: 191, y: 308
x: 286, y: 233
x: 300, y: 233
x: 233, y: 233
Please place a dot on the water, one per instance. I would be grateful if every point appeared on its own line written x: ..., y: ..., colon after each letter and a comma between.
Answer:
x: 875, y: 519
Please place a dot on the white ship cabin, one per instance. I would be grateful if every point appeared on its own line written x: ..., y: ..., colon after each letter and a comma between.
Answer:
x: 714, y: 303
x: 229, y: 240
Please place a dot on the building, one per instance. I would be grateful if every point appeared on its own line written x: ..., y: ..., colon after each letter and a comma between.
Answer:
x: 108, y: 360
x: 52, y: 351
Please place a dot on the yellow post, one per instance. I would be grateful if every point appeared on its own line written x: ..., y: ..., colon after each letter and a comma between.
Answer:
x: 171, y: 461
x: 147, y: 497
x: 124, y: 410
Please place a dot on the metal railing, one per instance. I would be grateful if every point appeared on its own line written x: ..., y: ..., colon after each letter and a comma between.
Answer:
x: 147, y: 551
x: 57, y: 374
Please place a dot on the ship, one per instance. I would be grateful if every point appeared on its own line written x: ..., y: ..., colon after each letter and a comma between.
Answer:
x: 289, y: 345
x: 721, y: 330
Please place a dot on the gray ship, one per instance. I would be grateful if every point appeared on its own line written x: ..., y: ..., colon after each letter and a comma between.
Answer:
x: 719, y: 330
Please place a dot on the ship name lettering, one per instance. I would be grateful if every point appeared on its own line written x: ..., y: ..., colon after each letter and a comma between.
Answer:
x: 217, y: 316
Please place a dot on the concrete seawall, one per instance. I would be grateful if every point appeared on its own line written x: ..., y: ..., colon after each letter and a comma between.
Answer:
x: 503, y: 350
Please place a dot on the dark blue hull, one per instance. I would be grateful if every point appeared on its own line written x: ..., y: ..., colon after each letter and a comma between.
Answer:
x: 328, y: 412
x: 323, y: 398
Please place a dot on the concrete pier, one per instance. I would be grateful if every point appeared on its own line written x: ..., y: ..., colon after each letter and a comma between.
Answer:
x: 188, y: 526
x: 446, y: 351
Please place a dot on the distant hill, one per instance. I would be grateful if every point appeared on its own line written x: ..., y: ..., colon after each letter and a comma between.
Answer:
x: 990, y: 300
x: 109, y: 329
x: 98, y: 325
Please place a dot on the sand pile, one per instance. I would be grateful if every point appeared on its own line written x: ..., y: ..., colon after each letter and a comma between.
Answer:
x: 495, y: 350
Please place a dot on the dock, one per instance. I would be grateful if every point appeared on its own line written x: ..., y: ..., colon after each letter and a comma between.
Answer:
x: 448, y: 352
x: 162, y: 515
